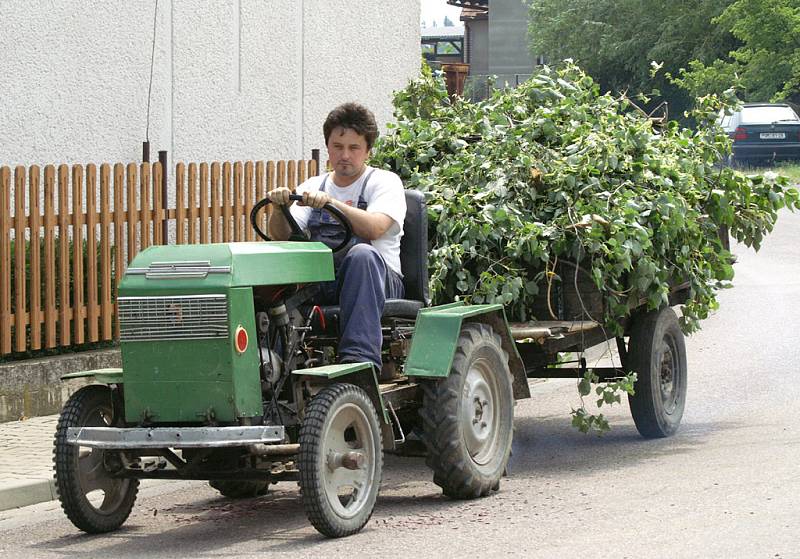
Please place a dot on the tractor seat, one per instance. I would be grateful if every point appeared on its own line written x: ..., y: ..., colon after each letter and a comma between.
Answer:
x: 413, y: 261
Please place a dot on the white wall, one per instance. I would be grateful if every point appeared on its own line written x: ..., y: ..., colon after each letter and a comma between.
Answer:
x: 233, y: 79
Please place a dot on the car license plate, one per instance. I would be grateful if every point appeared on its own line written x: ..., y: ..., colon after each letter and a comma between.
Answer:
x: 773, y: 135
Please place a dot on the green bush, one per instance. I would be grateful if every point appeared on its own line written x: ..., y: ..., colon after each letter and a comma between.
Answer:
x: 553, y: 171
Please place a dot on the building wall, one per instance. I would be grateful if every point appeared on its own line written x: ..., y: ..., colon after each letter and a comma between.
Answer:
x: 378, y: 52
x: 478, y: 46
x: 233, y: 79
x: 508, y: 38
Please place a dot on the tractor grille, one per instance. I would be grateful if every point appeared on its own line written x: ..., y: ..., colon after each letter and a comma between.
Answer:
x: 190, y: 317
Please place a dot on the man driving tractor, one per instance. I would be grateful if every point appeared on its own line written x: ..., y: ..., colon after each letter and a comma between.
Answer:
x: 368, y: 268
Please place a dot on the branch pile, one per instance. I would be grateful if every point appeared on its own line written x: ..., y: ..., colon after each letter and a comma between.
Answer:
x: 555, y: 171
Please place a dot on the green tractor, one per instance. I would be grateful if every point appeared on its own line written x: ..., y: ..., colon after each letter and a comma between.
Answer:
x: 229, y: 374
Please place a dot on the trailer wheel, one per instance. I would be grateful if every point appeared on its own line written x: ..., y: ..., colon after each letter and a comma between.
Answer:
x: 240, y: 489
x: 468, y: 417
x: 91, y: 497
x: 340, y: 460
x: 658, y: 356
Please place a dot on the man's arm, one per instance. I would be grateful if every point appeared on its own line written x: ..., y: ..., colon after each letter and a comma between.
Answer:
x: 278, y: 227
x: 367, y: 225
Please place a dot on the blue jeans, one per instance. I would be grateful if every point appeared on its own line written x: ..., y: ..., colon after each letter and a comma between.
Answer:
x: 363, y: 283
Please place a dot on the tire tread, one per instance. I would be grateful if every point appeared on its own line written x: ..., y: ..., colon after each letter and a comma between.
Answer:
x: 68, y: 490
x: 644, y: 409
x: 439, y: 414
x: 311, y: 488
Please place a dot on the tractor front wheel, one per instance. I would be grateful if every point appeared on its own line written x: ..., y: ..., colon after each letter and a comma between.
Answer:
x: 340, y: 460
x: 468, y: 418
x: 93, y: 499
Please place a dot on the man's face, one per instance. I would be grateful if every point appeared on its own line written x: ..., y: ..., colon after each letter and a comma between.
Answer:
x: 347, y: 151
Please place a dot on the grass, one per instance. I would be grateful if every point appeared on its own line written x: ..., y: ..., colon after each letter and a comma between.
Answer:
x: 787, y: 169
x: 791, y: 170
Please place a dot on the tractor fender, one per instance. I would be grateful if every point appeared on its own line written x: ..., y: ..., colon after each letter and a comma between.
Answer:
x: 436, y: 335
x: 361, y: 374
x: 101, y: 376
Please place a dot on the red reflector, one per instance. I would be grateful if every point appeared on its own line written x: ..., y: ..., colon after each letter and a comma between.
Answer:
x: 241, y: 339
x: 740, y: 134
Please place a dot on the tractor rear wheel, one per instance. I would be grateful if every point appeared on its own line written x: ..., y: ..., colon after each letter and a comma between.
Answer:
x: 93, y: 499
x: 240, y: 489
x: 468, y: 418
x: 658, y: 356
x: 340, y: 460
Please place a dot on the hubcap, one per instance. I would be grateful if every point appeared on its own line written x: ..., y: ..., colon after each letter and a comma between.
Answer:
x: 479, y: 413
x: 104, y: 493
x: 668, y: 377
x: 348, y: 460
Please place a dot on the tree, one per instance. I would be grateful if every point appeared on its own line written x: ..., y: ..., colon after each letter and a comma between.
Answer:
x: 767, y: 63
x: 616, y: 40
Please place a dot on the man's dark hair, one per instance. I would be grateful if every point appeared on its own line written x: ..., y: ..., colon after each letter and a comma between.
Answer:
x: 355, y: 117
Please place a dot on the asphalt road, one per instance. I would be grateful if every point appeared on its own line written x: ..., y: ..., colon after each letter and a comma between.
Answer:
x: 727, y: 485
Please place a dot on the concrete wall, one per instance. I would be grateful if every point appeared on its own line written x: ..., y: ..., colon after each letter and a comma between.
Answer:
x: 508, y: 38
x: 233, y: 78
x: 34, y: 387
x: 478, y: 46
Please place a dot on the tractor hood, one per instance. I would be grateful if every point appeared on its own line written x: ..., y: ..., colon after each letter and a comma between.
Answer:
x: 211, y: 267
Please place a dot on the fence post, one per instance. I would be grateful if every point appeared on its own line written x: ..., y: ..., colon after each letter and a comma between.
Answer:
x: 162, y: 158
x: 35, y: 316
x: 77, y: 254
x: 5, y: 260
x: 315, y: 157
x: 65, y: 337
x: 51, y: 311
x: 20, y: 299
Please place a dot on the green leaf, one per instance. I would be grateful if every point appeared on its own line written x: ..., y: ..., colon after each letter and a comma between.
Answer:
x: 584, y: 387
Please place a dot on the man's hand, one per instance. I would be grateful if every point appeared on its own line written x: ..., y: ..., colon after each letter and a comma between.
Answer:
x: 315, y: 199
x: 280, y: 196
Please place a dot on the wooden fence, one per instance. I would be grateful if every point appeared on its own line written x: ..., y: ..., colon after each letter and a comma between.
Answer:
x: 73, y: 230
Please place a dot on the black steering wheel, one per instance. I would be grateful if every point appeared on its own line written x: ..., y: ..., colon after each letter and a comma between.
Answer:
x: 297, y: 233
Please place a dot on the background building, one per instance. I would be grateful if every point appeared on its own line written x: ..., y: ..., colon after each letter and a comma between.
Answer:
x: 232, y: 79
x: 496, y: 42
x: 443, y: 44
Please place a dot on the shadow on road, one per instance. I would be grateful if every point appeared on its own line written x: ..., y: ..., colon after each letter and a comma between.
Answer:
x: 544, y: 447
x: 196, y: 528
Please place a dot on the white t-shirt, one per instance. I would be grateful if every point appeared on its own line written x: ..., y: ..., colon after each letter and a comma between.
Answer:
x: 384, y: 194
